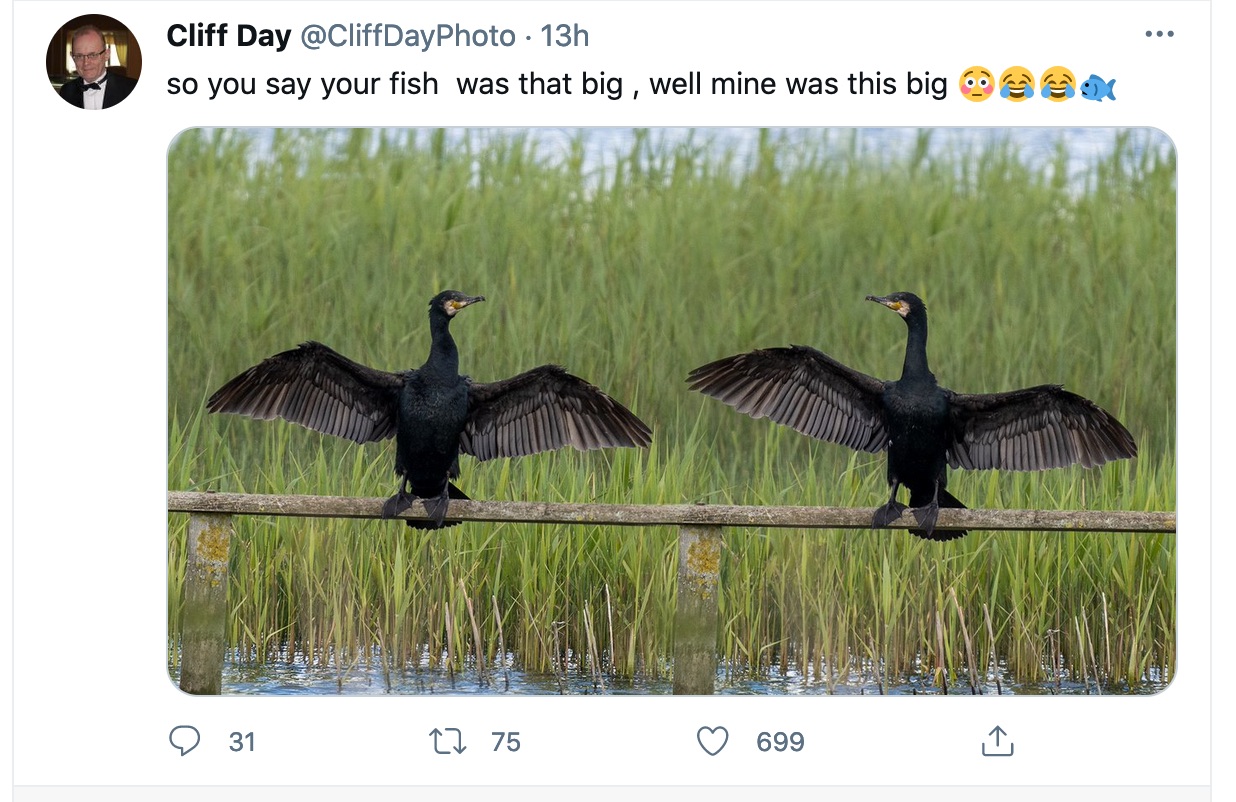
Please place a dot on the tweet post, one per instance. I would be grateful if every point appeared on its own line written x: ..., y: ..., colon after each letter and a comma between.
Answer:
x: 539, y: 397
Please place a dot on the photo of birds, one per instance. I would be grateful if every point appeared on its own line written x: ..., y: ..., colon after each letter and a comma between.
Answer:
x: 1041, y: 260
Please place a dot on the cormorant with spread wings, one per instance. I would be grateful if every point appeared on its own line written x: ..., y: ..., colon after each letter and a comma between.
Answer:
x: 433, y: 412
x: 924, y: 427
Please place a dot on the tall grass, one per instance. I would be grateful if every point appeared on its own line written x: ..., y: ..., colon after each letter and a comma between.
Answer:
x: 630, y: 275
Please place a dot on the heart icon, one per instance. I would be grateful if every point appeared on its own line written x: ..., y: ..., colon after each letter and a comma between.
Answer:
x: 712, y: 739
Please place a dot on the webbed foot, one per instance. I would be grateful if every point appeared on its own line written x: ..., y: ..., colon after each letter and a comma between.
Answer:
x: 397, y: 504
x: 887, y: 514
x: 926, y: 517
x: 435, y: 508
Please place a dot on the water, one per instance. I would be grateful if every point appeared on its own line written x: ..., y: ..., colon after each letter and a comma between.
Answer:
x: 296, y: 678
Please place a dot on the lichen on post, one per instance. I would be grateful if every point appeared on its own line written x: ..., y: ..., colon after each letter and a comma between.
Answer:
x: 203, y: 629
x: 695, y: 620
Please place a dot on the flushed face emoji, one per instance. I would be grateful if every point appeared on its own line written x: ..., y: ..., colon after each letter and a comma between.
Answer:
x: 977, y: 84
x: 1016, y: 84
x: 1058, y: 84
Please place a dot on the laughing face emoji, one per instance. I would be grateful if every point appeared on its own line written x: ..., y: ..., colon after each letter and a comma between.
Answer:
x: 1058, y: 84
x: 1016, y: 84
x: 977, y: 84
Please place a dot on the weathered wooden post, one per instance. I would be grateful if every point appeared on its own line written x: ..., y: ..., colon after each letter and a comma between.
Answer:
x: 695, y: 620
x: 203, y: 629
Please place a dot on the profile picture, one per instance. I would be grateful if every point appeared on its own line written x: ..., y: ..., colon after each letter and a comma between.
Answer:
x: 93, y: 62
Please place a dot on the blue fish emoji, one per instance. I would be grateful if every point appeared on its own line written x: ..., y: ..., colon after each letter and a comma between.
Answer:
x: 1095, y: 88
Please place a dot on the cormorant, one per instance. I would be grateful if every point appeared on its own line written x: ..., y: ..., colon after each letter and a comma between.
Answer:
x: 433, y: 412
x: 924, y: 427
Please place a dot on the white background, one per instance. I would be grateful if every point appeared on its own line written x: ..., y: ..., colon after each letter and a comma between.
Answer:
x: 90, y: 331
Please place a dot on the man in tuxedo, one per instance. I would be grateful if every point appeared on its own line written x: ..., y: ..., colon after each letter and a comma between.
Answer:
x: 94, y: 87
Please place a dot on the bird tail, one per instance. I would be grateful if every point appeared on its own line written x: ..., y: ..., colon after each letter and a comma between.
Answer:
x: 947, y: 499
x: 944, y: 499
x: 429, y: 525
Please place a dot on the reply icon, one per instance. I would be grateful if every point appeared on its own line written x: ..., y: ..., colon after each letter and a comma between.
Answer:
x: 185, y: 738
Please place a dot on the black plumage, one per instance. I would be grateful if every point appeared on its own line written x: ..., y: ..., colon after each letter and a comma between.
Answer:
x: 434, y: 413
x: 925, y: 427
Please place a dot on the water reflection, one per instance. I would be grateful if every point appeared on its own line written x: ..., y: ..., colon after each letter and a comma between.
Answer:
x: 296, y: 678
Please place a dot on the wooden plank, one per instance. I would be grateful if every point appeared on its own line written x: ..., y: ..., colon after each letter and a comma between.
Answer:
x: 675, y: 514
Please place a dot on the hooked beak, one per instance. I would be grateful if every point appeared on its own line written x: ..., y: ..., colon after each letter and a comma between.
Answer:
x: 466, y: 301
x: 893, y: 305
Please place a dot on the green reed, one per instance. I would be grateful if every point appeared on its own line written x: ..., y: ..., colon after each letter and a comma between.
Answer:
x: 630, y: 275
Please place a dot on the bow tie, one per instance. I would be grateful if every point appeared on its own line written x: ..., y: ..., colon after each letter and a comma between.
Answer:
x: 92, y: 86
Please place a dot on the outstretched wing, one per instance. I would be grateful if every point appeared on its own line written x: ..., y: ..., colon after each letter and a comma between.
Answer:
x: 544, y: 409
x: 1034, y: 429
x: 318, y: 388
x: 802, y: 388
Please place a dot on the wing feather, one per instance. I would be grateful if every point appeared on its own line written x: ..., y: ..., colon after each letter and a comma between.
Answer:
x: 544, y: 409
x: 1033, y: 430
x: 318, y: 388
x: 802, y: 388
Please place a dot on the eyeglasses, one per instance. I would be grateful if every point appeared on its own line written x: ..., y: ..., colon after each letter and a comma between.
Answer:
x: 88, y: 58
